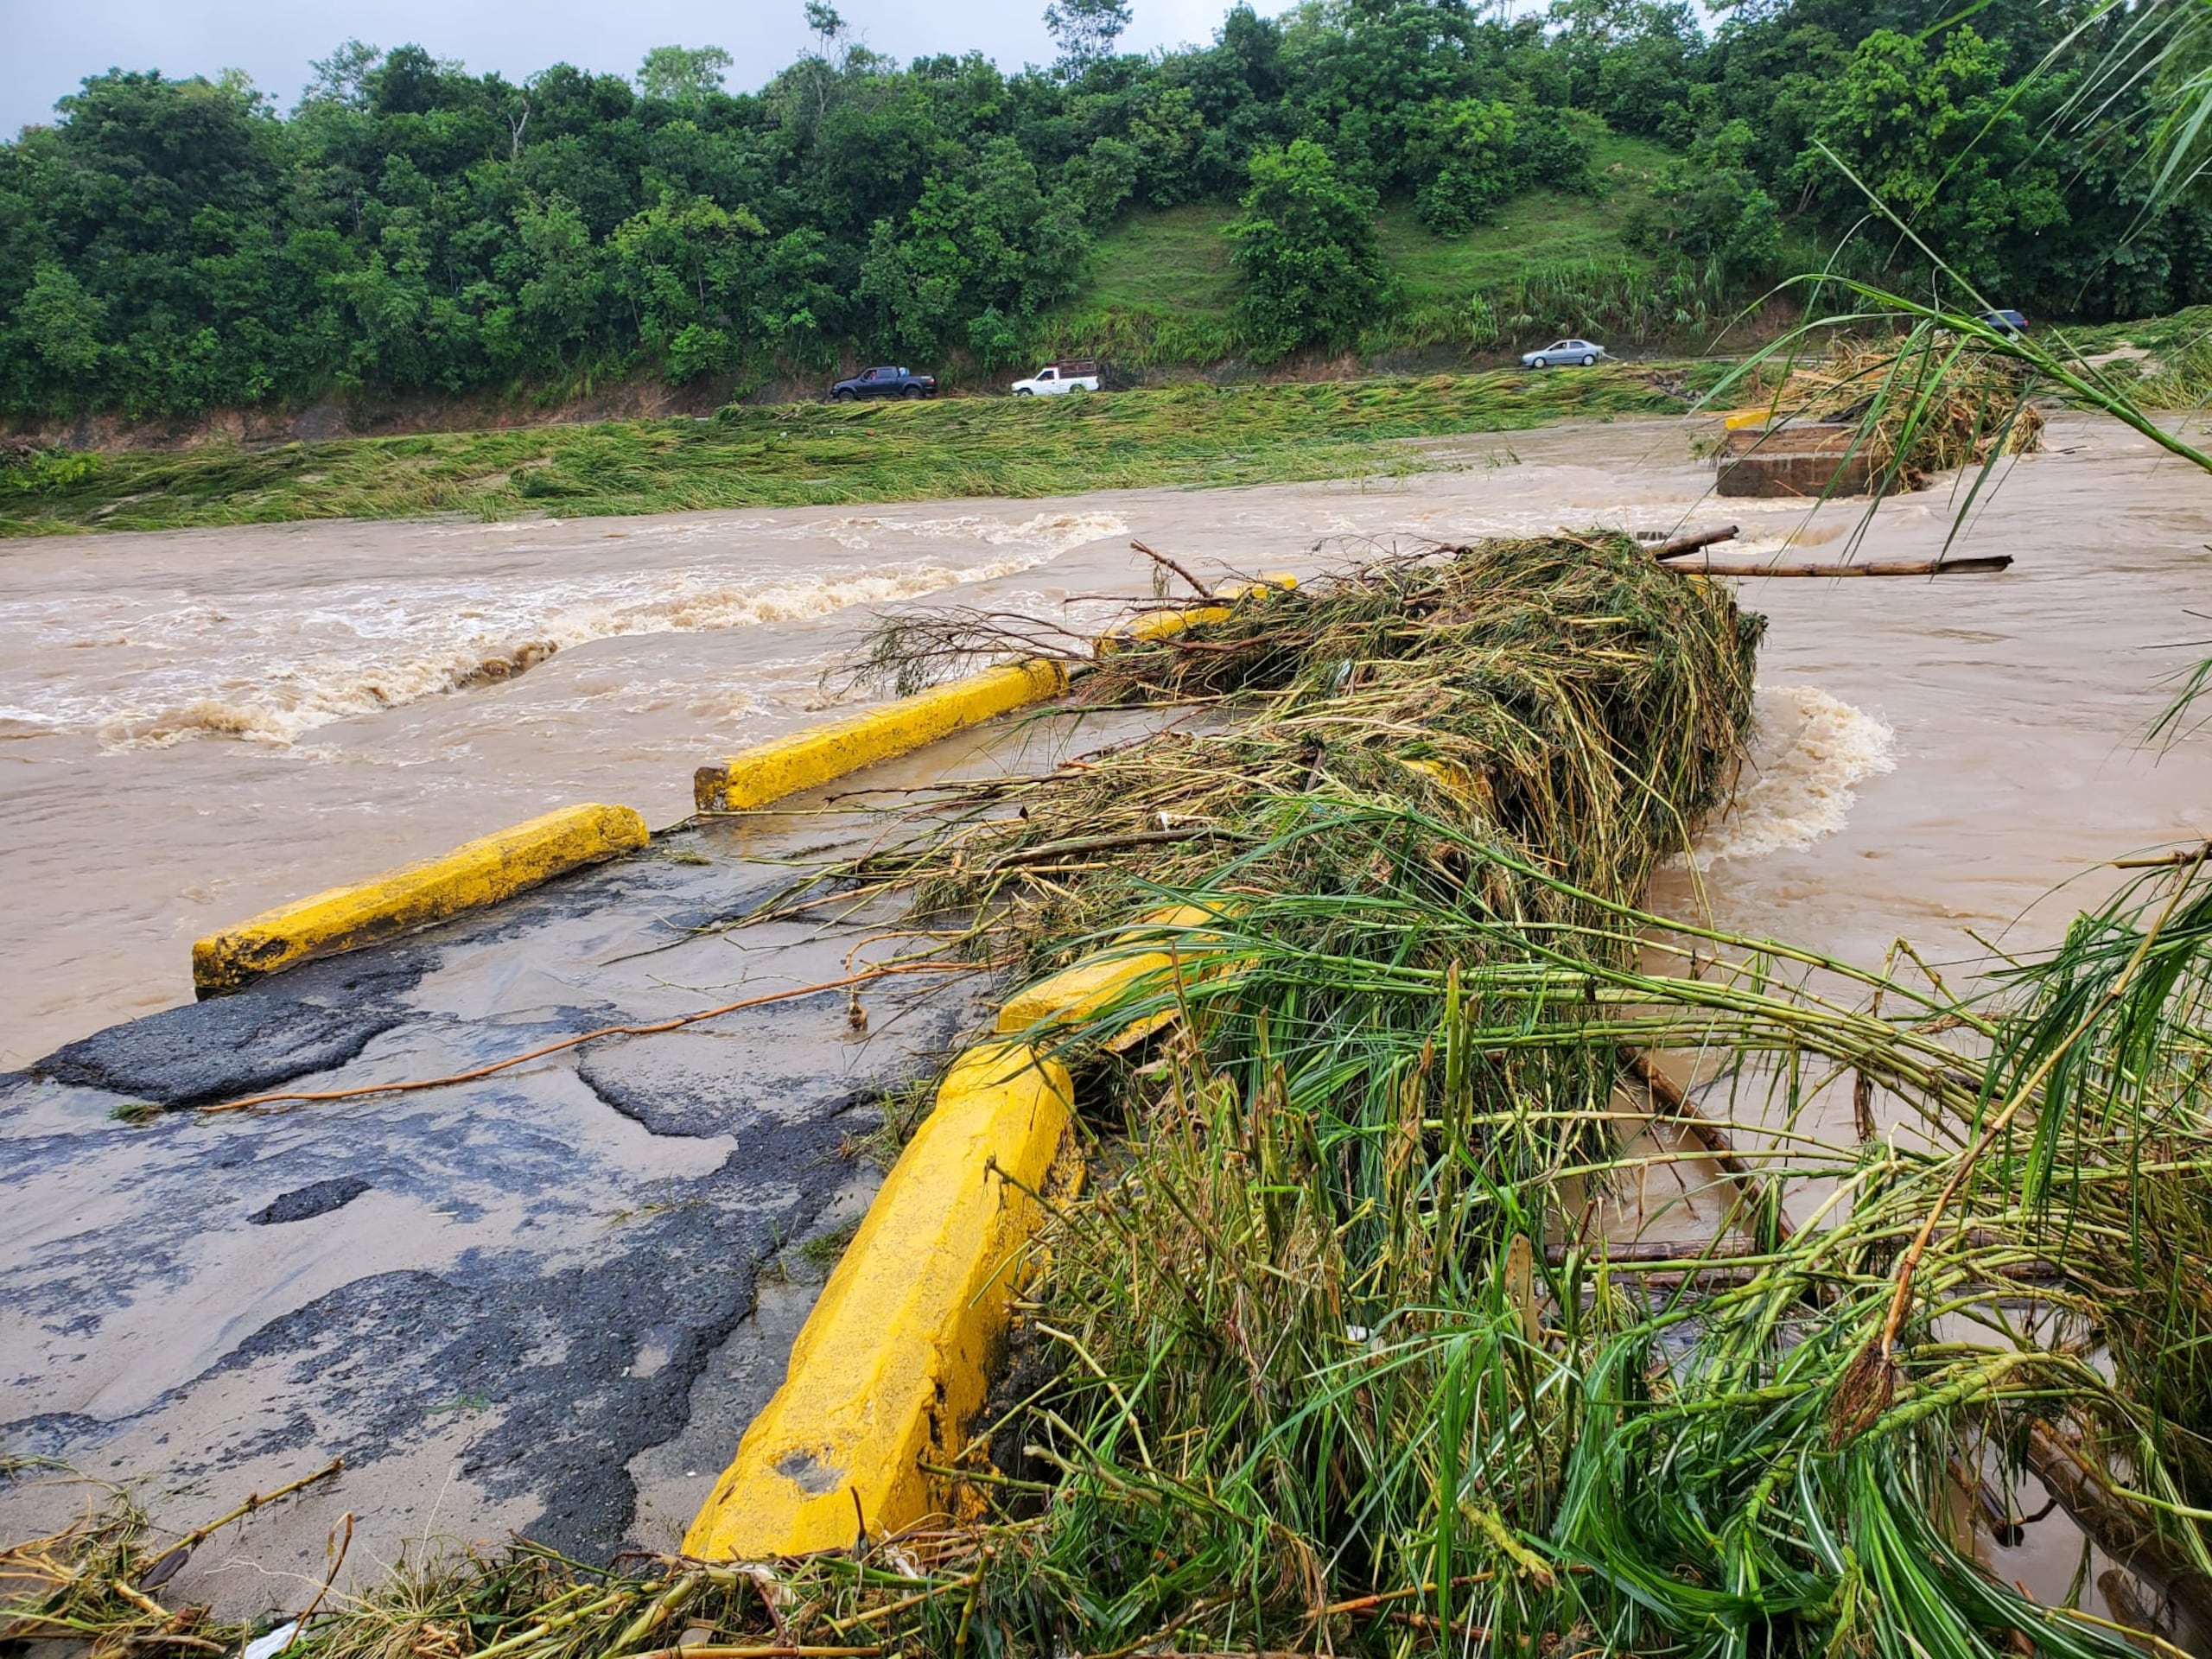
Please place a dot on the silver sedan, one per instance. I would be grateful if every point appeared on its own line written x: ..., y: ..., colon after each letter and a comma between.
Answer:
x: 1584, y: 352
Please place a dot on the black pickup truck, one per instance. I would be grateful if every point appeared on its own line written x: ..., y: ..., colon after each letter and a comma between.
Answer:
x: 885, y: 383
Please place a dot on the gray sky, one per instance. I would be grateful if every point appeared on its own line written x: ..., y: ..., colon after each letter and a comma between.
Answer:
x: 47, y: 45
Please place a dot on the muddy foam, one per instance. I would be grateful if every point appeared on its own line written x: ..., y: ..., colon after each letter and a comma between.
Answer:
x: 1809, y: 753
x: 269, y: 667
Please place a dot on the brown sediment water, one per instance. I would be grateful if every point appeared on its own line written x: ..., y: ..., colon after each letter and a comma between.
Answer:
x: 200, y: 725
x: 196, y: 725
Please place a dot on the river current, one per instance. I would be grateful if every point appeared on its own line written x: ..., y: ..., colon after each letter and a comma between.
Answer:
x: 195, y: 726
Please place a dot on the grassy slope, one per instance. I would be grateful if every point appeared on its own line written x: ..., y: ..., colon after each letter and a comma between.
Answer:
x: 819, y: 454
x: 1544, y: 227
x: 1177, y: 262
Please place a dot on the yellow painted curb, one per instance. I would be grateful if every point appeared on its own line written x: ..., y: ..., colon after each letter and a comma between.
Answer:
x: 1077, y: 992
x: 893, y: 1362
x: 483, y: 871
x: 1162, y: 624
x: 821, y: 754
x: 758, y: 776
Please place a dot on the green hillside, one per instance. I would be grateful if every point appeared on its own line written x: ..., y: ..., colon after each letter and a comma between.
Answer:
x: 1544, y: 227
x: 1160, y: 289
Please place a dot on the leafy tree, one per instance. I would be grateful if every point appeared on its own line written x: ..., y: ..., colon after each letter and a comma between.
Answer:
x: 798, y: 306
x: 1711, y: 208
x: 558, y: 279
x: 1933, y: 133
x: 682, y: 74
x: 1463, y: 153
x: 985, y: 237
x: 681, y: 264
x: 61, y: 322
x: 1633, y: 62
x: 1306, y: 244
x: 342, y: 78
x: 1556, y: 147
x: 830, y: 28
x: 1101, y: 179
x: 1085, y: 30
x: 1167, y: 136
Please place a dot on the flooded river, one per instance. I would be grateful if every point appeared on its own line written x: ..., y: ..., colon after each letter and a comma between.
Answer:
x: 196, y: 726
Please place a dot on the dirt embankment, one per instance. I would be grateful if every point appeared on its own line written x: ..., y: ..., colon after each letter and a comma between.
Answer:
x: 264, y: 425
x: 260, y: 425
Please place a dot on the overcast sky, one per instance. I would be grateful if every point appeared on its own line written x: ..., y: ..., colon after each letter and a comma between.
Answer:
x: 46, y: 47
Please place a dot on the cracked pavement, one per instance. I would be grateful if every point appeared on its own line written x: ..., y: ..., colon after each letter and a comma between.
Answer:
x: 547, y: 1300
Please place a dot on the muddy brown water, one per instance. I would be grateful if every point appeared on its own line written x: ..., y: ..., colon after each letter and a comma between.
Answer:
x: 195, y: 726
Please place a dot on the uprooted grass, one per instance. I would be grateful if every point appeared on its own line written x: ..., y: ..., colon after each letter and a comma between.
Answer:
x: 1566, y: 693
x: 1348, y: 1323
x: 83, y: 1586
x: 1343, y: 1331
x: 1364, y: 1349
x: 2158, y: 363
x: 1921, y: 404
x: 806, y: 454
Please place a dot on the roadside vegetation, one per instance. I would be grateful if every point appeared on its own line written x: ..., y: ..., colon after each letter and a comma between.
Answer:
x: 810, y: 455
x: 2159, y: 362
x: 1404, y: 176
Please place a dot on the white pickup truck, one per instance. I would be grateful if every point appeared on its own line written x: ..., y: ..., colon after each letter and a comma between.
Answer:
x: 1056, y: 377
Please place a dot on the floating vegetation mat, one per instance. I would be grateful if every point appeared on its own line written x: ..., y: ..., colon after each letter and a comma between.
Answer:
x: 1472, y: 1261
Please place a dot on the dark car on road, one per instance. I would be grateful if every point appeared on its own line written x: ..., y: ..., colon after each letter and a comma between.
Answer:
x: 885, y: 383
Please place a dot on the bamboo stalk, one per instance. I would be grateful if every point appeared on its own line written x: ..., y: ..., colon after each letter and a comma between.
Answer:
x: 2165, y: 861
x: 2122, y: 1528
x: 172, y: 1560
x: 1690, y: 543
x: 1989, y: 564
x: 252, y: 1101
x: 1674, y: 1103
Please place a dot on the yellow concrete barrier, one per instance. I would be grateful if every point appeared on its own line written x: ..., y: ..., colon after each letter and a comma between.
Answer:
x: 893, y: 1363
x: 1160, y: 625
x: 481, y: 872
x: 820, y: 755
x: 1078, y: 991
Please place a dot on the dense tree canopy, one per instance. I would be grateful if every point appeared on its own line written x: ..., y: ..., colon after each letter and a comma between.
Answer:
x: 168, y: 245
x: 1306, y: 243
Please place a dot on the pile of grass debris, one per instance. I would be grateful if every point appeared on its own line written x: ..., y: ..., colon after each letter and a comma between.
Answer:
x: 1412, y: 1306
x: 1567, y: 698
x: 1409, y: 1312
x: 1921, y: 405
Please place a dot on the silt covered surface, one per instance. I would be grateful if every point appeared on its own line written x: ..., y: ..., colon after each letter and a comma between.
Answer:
x: 532, y: 1301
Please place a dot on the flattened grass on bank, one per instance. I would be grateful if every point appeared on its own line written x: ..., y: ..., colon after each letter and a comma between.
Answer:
x: 819, y: 455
